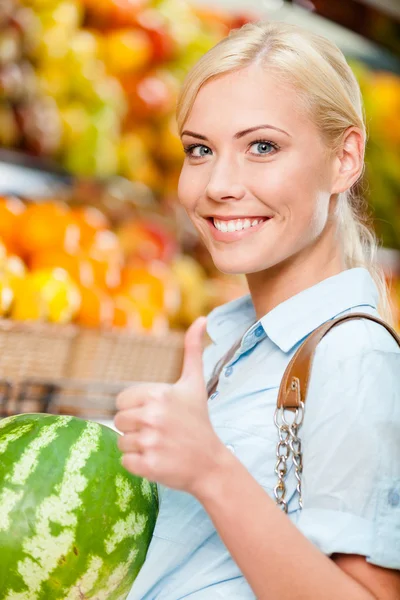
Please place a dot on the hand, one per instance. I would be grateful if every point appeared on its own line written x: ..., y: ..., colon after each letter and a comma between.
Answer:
x: 169, y: 437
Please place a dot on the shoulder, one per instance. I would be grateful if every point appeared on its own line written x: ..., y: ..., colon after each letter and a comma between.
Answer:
x: 355, y: 364
x: 355, y: 338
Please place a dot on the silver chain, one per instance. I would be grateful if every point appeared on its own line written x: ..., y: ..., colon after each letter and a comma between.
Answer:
x: 289, y: 444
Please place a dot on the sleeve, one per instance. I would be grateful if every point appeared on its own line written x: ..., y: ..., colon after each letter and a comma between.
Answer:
x: 351, y: 458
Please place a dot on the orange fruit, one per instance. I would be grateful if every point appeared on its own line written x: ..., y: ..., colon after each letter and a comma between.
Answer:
x: 11, y: 208
x: 46, y: 226
x: 107, y: 275
x: 76, y: 265
x: 105, y: 245
x: 89, y: 220
x: 126, y: 314
x: 152, y: 319
x: 153, y: 284
x: 97, y: 308
x: 106, y: 257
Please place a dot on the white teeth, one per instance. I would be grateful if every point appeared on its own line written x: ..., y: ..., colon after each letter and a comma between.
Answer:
x: 236, y: 224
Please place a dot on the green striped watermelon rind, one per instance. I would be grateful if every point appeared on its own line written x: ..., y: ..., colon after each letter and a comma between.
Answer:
x: 74, y: 523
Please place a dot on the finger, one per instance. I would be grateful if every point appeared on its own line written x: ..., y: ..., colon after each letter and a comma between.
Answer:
x: 140, y: 442
x: 192, y: 369
x: 128, y: 420
x: 129, y: 397
x: 151, y: 414
x: 130, y: 442
x: 139, y: 394
x: 137, y: 465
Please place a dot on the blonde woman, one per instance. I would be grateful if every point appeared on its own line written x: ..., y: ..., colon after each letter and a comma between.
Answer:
x: 271, y: 121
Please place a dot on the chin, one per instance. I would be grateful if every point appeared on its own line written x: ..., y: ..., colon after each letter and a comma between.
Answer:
x: 239, y: 267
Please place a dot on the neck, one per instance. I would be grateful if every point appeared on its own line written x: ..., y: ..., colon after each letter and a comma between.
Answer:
x: 273, y: 286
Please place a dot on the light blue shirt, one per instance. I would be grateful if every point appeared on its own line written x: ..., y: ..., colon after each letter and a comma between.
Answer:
x: 350, y: 439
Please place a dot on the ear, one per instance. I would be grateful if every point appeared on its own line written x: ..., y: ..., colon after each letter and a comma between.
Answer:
x: 349, y: 160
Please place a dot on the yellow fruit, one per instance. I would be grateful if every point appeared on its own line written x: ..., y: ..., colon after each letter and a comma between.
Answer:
x: 28, y: 303
x: 48, y: 294
x: 126, y: 50
x: 77, y: 265
x: 60, y: 293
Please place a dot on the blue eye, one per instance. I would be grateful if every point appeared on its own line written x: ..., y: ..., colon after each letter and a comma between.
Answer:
x: 264, y: 147
x: 189, y: 150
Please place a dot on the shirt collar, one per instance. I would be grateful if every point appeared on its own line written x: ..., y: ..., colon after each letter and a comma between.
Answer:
x: 292, y: 320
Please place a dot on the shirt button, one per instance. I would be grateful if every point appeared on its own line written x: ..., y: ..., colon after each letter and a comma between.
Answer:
x: 259, y: 331
x: 231, y: 448
x: 214, y: 395
x: 228, y: 371
x: 394, y: 498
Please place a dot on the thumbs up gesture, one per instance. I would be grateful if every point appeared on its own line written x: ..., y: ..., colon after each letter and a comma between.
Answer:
x: 168, y: 436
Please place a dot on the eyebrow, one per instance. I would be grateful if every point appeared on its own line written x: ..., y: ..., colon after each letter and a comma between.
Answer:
x: 237, y: 135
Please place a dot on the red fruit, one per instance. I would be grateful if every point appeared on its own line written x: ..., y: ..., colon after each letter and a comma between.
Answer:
x: 149, y: 96
x: 147, y: 240
x: 164, y: 44
x: 110, y: 14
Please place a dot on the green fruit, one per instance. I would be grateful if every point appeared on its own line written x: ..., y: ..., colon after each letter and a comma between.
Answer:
x: 73, y: 522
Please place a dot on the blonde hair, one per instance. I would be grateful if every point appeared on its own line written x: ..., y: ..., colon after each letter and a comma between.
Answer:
x: 331, y: 96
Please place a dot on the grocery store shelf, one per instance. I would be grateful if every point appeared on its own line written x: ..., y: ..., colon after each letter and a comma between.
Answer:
x: 29, y: 176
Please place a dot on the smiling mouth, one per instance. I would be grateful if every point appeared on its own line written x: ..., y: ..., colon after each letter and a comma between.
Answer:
x: 237, y: 224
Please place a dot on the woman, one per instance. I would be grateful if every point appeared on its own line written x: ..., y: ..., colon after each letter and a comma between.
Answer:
x: 272, y: 126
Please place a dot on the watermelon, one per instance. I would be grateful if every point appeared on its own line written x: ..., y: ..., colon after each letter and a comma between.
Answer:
x: 74, y: 523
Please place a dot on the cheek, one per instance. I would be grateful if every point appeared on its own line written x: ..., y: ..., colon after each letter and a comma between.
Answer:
x: 183, y: 189
x: 189, y: 189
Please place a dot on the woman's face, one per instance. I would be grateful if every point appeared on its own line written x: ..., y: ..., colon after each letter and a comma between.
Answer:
x: 252, y: 154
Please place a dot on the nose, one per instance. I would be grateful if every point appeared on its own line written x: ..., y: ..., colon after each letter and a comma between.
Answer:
x: 225, y: 182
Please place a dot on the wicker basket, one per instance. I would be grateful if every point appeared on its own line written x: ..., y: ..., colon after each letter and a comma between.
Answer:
x: 71, y: 370
x: 118, y: 356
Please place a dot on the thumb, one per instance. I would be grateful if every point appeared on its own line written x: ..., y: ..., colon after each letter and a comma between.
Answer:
x: 192, y: 369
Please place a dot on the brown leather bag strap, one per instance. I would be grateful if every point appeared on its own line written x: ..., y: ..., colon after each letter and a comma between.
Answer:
x: 294, y: 384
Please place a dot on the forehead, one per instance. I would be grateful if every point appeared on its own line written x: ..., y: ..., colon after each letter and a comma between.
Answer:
x: 249, y: 96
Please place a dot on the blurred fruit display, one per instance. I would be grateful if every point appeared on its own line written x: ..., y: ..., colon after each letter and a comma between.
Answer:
x: 92, y: 84
x: 70, y: 264
x: 381, y: 93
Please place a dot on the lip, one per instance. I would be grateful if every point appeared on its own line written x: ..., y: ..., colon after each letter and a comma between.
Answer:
x: 233, y: 236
